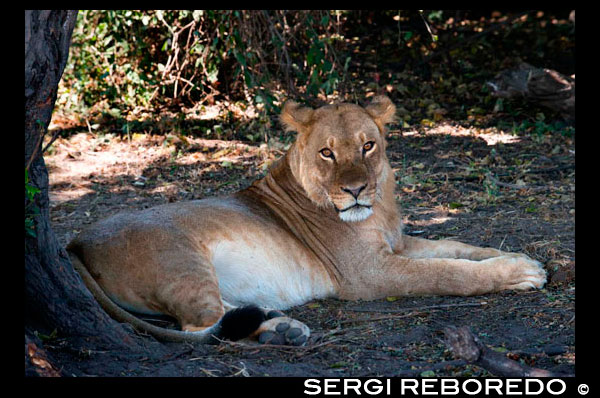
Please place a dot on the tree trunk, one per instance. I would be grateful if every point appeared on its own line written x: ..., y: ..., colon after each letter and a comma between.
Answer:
x: 55, y: 296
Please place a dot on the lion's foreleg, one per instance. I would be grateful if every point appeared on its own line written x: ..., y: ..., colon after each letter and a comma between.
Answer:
x: 444, y: 276
x: 423, y: 248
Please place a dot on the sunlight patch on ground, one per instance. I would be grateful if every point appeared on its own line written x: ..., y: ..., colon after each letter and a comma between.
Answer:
x: 68, y: 194
x: 75, y: 164
x: 79, y: 162
x: 240, y: 110
x: 82, y: 160
x: 427, y: 216
x: 491, y: 136
x: 430, y: 221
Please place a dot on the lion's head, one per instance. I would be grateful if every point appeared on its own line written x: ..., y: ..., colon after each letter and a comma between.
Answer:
x: 339, y: 156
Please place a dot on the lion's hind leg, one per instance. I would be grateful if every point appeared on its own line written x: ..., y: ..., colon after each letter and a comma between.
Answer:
x: 192, y: 296
x: 195, y: 301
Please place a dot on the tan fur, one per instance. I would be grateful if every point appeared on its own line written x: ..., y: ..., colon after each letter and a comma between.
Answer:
x: 292, y: 236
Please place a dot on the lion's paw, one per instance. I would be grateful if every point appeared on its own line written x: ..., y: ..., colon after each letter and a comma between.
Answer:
x: 522, y: 273
x: 282, y: 330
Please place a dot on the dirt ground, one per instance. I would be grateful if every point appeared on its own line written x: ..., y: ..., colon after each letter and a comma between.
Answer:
x: 479, y: 186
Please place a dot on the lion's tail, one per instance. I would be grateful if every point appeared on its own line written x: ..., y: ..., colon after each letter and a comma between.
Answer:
x: 234, y: 325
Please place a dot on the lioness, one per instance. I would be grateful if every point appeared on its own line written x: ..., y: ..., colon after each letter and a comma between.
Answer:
x: 322, y: 223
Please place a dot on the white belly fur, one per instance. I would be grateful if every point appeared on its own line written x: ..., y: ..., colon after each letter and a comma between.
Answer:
x: 254, y: 271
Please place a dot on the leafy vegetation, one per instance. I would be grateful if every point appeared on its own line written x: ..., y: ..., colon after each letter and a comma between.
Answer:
x: 31, y: 209
x: 127, y: 61
x: 134, y: 66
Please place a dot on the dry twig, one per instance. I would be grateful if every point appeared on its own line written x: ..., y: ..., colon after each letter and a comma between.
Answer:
x: 380, y: 318
x: 298, y: 350
x: 423, y: 308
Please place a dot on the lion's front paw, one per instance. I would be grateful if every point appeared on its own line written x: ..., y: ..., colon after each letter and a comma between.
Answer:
x: 283, y: 330
x: 519, y: 272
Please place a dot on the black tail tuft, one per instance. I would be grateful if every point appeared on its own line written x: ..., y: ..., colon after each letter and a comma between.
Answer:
x: 241, y: 322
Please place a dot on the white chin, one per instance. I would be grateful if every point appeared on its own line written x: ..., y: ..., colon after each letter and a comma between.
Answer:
x: 356, y: 214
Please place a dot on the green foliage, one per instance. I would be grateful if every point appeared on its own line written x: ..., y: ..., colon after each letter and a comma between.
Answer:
x: 45, y: 337
x: 539, y: 127
x: 31, y: 209
x: 123, y: 62
x: 130, y: 66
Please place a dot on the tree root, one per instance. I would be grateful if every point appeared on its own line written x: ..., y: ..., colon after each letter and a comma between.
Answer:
x: 467, y: 346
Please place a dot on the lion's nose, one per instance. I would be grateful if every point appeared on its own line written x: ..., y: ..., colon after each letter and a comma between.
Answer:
x: 354, y: 191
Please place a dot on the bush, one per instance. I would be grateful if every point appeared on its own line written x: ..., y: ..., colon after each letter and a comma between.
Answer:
x: 131, y: 61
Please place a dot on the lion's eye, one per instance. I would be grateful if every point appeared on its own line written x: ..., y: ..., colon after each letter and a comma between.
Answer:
x: 326, y: 152
x: 368, y: 146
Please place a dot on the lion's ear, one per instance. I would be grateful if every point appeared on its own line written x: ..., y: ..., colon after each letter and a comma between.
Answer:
x: 382, y: 110
x: 295, y: 117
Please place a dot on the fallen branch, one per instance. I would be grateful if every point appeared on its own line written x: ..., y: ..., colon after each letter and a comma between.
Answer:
x: 551, y: 169
x: 545, y: 86
x: 380, y: 318
x: 472, y: 177
x: 298, y: 350
x: 423, y: 308
x: 499, y: 183
x: 467, y: 346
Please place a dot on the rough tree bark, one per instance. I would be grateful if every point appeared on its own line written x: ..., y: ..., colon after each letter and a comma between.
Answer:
x: 55, y: 297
